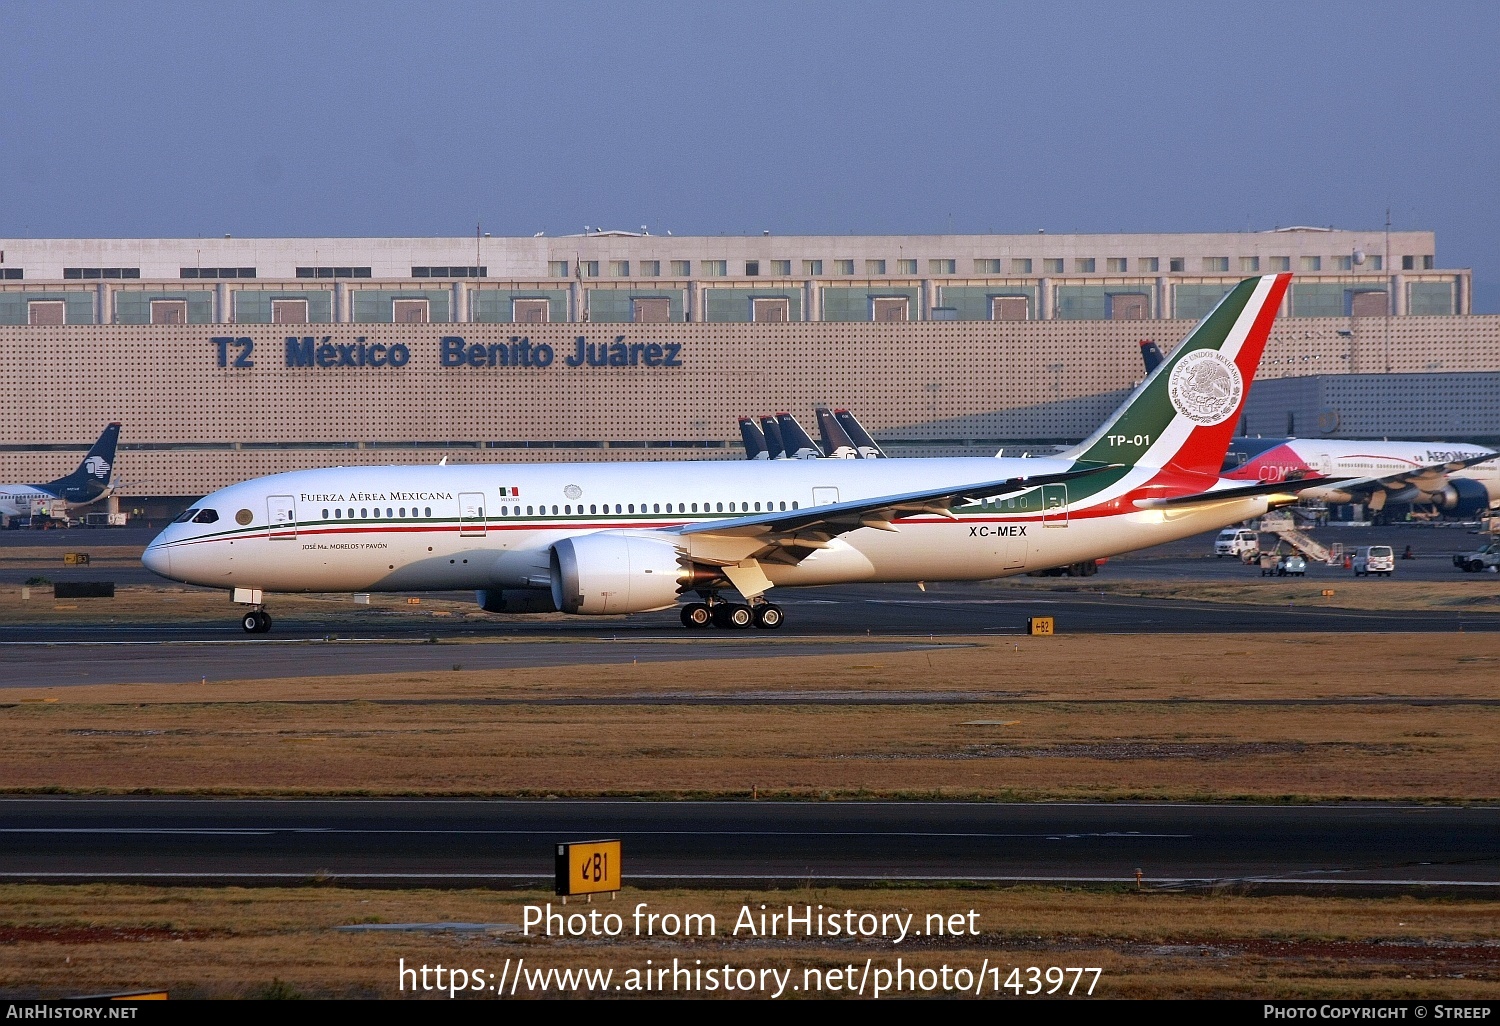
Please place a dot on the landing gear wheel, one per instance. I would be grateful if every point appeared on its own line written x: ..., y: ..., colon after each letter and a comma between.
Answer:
x: 696, y: 614
x: 733, y: 616
x: 257, y: 621
x: 768, y: 616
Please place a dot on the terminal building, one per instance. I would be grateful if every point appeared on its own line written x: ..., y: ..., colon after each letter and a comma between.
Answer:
x: 227, y: 358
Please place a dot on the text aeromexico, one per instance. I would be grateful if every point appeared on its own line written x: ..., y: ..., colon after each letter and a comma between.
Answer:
x: 454, y: 351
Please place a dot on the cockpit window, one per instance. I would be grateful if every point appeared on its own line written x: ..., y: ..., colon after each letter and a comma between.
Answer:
x: 206, y: 516
x: 186, y: 515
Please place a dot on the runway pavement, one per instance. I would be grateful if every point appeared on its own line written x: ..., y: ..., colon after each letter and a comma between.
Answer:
x: 465, y: 842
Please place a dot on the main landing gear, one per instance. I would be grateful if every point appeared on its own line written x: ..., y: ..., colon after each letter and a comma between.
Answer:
x: 256, y: 621
x: 732, y: 615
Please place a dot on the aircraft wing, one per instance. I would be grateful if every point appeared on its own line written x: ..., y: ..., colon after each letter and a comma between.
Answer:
x: 1428, y: 478
x: 791, y: 536
x: 1288, y: 488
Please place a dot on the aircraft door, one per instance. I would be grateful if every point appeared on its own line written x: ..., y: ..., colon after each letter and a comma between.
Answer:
x: 1055, y: 505
x: 281, y: 511
x: 825, y: 496
x: 1323, y: 464
x: 471, y: 522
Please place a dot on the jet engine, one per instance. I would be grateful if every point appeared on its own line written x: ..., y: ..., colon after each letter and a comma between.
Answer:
x: 1462, y: 498
x: 602, y: 573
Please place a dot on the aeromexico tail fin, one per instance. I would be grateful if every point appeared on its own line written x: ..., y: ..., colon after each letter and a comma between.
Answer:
x: 1151, y: 355
x: 92, y: 477
x: 755, y: 442
x: 861, y: 438
x: 774, y: 445
x: 836, y: 441
x: 794, y: 441
x: 1183, y: 414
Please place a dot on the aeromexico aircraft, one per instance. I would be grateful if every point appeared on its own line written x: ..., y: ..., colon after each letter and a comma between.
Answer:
x: 1455, y: 478
x: 633, y: 537
x: 89, y: 483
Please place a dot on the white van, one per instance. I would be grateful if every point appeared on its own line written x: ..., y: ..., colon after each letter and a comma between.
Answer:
x: 1237, y: 541
x: 1374, y: 559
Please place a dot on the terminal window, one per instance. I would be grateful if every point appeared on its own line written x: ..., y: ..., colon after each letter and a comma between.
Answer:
x: 651, y: 268
x: 1250, y: 265
x: 986, y: 266
x: 1148, y: 264
x: 450, y: 272
x: 409, y: 311
x: 942, y: 266
x: 1052, y: 265
x: 1020, y: 265
x: 771, y: 310
x: 101, y: 272
x: 906, y: 266
x: 589, y: 268
x: 752, y: 268
x: 216, y: 272
x: 1117, y: 265
x: 1083, y: 265
x: 169, y: 311
x: 781, y: 268
x: 682, y: 268
x: 1312, y: 263
x: 557, y: 268
x: 12, y: 273
x: 716, y: 268
x: 1282, y: 263
x: 1215, y: 264
x: 333, y: 272
x: 530, y: 311
x: 812, y: 268
x: 46, y: 312
x: 843, y: 267
x: 288, y: 311
x: 619, y: 268
x: 1177, y: 265
x: 651, y: 310
x: 1009, y: 308
x: 874, y: 266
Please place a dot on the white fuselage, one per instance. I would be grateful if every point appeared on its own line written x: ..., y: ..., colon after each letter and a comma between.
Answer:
x: 413, y: 528
x: 22, y: 500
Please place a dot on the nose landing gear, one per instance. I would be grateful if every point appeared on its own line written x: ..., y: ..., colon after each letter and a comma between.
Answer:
x: 256, y: 621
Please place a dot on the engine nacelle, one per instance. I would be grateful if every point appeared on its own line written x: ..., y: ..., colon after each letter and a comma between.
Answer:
x: 595, y: 574
x: 515, y: 600
x: 1462, y: 498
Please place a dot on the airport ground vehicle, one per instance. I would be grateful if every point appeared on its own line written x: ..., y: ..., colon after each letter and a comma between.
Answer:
x: 1240, y: 542
x: 1486, y: 558
x: 1291, y: 565
x: 610, y: 538
x: 1374, y: 559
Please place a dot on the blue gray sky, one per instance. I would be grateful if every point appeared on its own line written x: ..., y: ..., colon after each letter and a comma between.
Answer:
x: 272, y: 119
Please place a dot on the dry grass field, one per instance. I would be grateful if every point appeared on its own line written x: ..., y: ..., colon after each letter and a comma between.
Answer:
x: 1098, y: 717
x: 56, y: 941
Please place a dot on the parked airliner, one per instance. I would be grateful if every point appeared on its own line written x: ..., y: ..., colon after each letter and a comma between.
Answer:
x: 89, y: 483
x: 633, y: 537
x: 1459, y: 479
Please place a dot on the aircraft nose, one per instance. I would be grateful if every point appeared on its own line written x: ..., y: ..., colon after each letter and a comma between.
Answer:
x: 158, y: 559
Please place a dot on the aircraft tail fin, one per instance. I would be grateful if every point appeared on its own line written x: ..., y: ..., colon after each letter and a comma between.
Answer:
x: 755, y: 441
x: 1151, y: 355
x: 775, y: 447
x: 92, y: 478
x: 795, y: 442
x: 836, y: 441
x: 1183, y: 414
x: 868, y: 449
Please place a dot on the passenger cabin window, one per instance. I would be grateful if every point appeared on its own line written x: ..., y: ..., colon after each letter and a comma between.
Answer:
x: 186, y: 515
x: 206, y: 516
x: 325, y: 514
x: 428, y: 510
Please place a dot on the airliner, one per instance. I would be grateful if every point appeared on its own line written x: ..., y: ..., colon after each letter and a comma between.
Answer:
x: 1455, y: 478
x: 601, y: 539
x: 89, y: 483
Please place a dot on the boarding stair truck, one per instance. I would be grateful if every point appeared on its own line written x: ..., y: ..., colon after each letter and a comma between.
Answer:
x: 1285, y: 528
